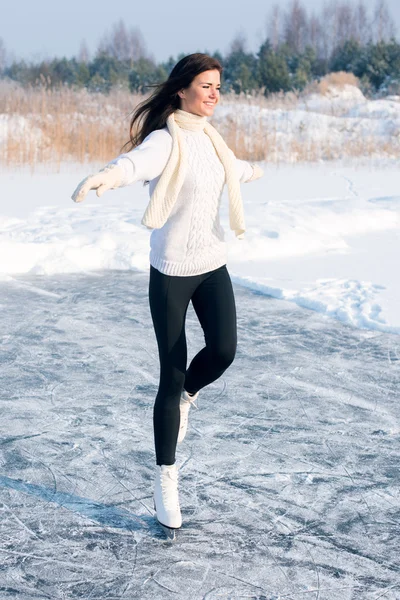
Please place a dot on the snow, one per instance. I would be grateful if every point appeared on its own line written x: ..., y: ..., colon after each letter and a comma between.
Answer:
x: 378, y: 109
x: 336, y: 99
x: 325, y: 236
x: 21, y: 127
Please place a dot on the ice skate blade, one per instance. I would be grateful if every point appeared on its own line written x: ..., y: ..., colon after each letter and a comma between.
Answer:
x: 169, y: 531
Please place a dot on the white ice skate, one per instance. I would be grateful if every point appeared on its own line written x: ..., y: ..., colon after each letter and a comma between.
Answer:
x: 186, y: 402
x: 166, y: 499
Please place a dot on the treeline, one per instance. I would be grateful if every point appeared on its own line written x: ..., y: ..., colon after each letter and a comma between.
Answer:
x: 299, y: 47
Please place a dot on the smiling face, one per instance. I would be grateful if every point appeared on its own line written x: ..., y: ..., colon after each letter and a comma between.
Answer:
x: 202, y: 96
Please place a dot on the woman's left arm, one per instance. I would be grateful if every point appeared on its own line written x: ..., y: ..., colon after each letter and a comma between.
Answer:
x: 246, y: 171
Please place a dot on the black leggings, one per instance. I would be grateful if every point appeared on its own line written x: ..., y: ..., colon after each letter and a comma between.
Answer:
x: 213, y: 300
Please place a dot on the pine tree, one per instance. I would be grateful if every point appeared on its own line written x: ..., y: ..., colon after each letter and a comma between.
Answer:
x: 273, y: 73
x: 346, y: 57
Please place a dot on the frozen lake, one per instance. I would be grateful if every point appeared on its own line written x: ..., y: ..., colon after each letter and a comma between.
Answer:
x: 323, y: 236
x: 289, y: 473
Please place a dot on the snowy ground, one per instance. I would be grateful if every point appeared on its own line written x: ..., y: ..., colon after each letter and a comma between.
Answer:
x: 289, y: 473
x: 324, y: 236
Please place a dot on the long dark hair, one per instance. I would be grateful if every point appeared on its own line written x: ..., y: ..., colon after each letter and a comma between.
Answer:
x: 153, y: 112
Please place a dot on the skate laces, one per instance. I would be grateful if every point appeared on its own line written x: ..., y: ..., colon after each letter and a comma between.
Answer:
x: 169, y: 488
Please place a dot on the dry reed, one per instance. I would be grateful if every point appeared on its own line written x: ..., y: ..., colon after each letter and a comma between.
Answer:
x: 338, y: 80
x: 43, y: 125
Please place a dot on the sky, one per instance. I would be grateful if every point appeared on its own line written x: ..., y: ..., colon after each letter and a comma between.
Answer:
x: 44, y: 28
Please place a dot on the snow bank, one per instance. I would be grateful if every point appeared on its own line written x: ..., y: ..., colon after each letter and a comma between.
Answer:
x: 335, y: 100
x: 326, y: 237
x: 19, y: 127
x: 377, y: 109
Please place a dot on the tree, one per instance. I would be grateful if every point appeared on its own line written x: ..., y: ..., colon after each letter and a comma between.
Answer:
x: 273, y: 72
x: 239, y: 43
x: 168, y: 65
x: 218, y: 56
x: 240, y: 67
x: 346, y: 57
x: 345, y: 23
x: 82, y: 75
x: 296, y: 27
x: 303, y: 67
x: 145, y: 73
x: 377, y: 62
x: 314, y: 32
x: 240, y: 72
x: 3, y: 56
x: 19, y: 71
x: 391, y: 83
x: 123, y: 44
x: 383, y: 25
x: 83, y: 56
x: 362, y: 24
x: 274, y: 26
x: 329, y: 39
x: 106, y: 71
x: 63, y: 71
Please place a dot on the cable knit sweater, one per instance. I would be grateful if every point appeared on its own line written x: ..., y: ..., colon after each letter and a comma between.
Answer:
x: 191, y: 241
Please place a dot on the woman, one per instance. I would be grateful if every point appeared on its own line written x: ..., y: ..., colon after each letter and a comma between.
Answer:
x: 187, y: 163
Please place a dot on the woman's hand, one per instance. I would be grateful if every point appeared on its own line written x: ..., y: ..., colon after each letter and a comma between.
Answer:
x: 257, y: 172
x: 106, y: 179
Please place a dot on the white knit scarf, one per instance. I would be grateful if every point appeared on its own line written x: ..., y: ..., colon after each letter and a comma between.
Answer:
x: 173, y: 175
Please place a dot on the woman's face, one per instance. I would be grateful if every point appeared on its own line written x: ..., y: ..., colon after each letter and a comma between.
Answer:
x: 202, y: 96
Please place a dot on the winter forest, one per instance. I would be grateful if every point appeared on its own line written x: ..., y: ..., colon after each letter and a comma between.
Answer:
x: 299, y: 47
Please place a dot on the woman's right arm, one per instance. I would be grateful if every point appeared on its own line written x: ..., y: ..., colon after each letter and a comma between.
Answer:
x: 143, y: 163
x: 147, y: 161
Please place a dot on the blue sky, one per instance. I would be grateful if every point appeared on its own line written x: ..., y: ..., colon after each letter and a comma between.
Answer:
x: 44, y: 28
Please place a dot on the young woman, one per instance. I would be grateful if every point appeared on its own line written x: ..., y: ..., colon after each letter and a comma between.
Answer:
x: 187, y: 163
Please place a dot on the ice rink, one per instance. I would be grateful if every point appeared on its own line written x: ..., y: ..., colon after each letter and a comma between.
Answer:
x: 289, y: 475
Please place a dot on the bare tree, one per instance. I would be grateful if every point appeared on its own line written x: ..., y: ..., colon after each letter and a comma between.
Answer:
x: 315, y: 32
x: 274, y: 26
x: 137, y: 44
x: 383, y: 25
x: 346, y: 25
x: 83, y: 55
x: 336, y: 22
x: 3, y: 55
x: 330, y: 34
x: 296, y: 26
x: 342, y: 21
x: 362, y: 23
x: 123, y: 44
x: 119, y: 45
x: 239, y: 43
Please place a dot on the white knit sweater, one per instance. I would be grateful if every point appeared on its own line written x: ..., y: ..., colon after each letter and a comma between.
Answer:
x: 191, y: 241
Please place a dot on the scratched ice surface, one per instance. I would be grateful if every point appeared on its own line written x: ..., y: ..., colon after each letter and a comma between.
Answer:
x: 289, y: 473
